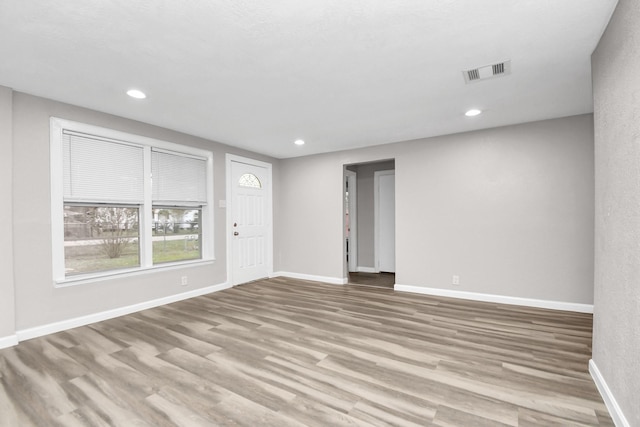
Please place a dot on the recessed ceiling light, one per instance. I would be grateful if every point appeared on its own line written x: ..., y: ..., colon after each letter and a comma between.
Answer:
x: 473, y: 112
x: 135, y: 93
x: 298, y: 142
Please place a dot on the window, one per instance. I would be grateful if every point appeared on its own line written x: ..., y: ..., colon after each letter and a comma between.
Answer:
x: 178, y: 194
x: 249, y: 180
x: 176, y: 234
x: 100, y: 238
x: 124, y: 203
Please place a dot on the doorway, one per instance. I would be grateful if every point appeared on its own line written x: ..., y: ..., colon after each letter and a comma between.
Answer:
x: 249, y: 220
x: 370, y: 259
x: 351, y: 220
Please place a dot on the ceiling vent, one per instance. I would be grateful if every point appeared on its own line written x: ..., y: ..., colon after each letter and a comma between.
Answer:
x: 487, y: 72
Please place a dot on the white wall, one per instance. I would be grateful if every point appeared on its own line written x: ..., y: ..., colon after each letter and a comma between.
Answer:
x: 7, y: 314
x: 38, y: 303
x: 508, y: 209
x: 616, y: 84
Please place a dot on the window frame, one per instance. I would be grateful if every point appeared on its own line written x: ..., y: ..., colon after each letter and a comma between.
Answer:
x: 57, y: 126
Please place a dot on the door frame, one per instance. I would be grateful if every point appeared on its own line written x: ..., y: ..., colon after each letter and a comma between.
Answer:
x: 376, y: 215
x: 229, y: 158
x: 351, y: 177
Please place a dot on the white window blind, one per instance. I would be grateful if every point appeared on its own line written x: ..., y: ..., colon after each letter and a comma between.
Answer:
x: 178, y: 179
x: 97, y: 169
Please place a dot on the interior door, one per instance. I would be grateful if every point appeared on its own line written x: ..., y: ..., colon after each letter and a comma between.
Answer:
x: 249, y: 238
x: 386, y: 221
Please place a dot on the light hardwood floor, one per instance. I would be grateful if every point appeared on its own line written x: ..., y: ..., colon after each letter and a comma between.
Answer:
x: 378, y: 280
x: 283, y: 352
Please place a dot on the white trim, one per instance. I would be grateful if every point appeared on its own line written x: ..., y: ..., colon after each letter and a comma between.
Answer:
x: 209, y: 215
x: 501, y: 299
x: 145, y: 218
x: 119, y: 274
x: 126, y: 137
x: 268, y: 166
x: 612, y: 405
x: 57, y: 197
x: 352, y: 179
x: 325, y: 279
x: 52, y: 328
x: 360, y: 269
x: 8, y: 341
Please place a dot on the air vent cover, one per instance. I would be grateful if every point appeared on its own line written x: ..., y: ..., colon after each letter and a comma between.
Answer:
x: 487, y: 72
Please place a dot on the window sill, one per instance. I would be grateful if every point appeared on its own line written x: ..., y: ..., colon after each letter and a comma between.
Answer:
x: 132, y: 272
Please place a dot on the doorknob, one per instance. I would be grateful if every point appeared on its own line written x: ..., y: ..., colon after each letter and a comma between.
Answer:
x: 235, y: 233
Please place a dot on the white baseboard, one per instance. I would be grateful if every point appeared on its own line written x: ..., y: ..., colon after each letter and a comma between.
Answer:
x: 360, y: 269
x: 9, y: 341
x: 612, y: 405
x: 325, y: 279
x: 528, y: 302
x: 52, y: 328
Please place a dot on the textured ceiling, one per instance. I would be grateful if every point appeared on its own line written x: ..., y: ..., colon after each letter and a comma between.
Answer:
x: 337, y: 73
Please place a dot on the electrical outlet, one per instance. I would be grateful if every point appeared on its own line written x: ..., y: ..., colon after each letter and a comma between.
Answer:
x: 184, y: 281
x: 455, y: 280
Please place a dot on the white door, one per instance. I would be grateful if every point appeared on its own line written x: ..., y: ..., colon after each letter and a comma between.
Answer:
x: 250, y: 222
x: 385, y: 220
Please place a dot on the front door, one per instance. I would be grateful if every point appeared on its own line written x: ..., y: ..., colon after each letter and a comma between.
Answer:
x: 250, y: 248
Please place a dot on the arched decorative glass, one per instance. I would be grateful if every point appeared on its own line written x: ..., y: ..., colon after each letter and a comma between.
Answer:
x: 249, y: 180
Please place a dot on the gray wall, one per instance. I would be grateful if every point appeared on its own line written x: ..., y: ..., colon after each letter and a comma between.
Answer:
x: 305, y: 216
x: 366, y: 210
x: 37, y: 301
x: 616, y: 85
x: 7, y: 314
x: 508, y: 209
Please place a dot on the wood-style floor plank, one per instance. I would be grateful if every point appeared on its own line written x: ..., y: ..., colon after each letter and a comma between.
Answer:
x: 284, y: 352
x: 378, y: 280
